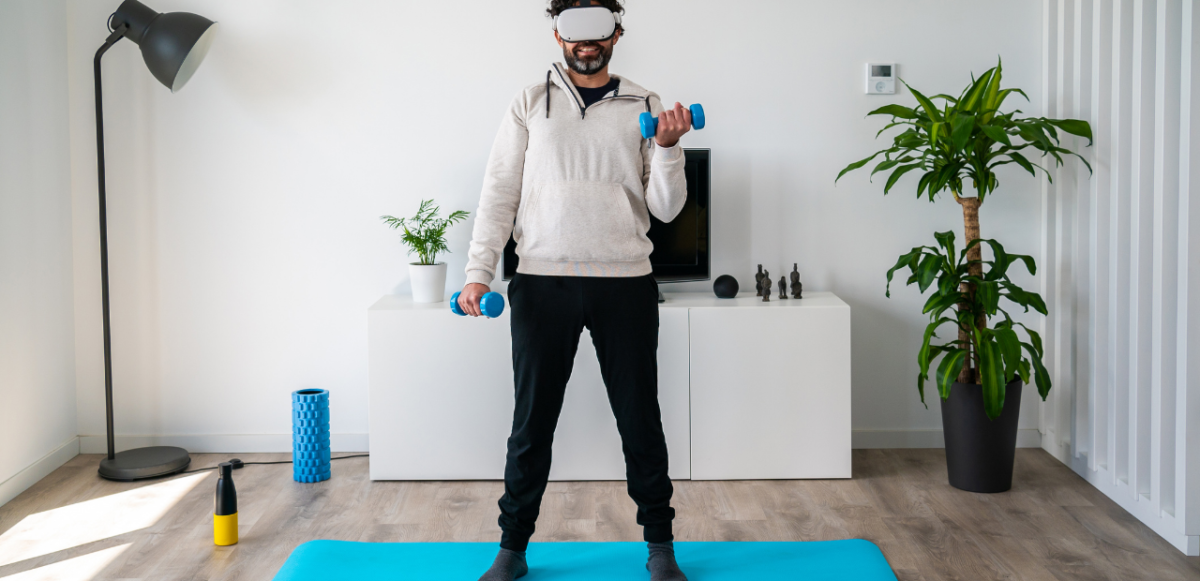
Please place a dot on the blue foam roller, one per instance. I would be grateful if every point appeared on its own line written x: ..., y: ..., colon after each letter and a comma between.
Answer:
x: 311, y: 478
x: 307, y: 450
x: 309, y: 422
x: 311, y: 453
x: 310, y: 435
x: 309, y: 430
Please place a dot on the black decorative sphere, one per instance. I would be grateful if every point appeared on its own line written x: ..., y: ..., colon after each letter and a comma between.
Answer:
x: 726, y: 287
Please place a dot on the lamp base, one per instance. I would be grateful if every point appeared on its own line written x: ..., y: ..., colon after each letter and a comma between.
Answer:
x: 149, y: 462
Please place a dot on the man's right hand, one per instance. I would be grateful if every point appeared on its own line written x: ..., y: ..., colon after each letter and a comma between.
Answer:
x: 468, y: 299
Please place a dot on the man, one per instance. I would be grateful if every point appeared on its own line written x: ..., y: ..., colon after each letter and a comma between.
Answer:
x: 574, y: 182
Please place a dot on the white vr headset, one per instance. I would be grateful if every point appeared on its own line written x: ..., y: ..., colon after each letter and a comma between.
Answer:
x: 586, y: 22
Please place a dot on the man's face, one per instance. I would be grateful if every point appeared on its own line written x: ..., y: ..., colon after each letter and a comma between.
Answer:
x: 590, y: 56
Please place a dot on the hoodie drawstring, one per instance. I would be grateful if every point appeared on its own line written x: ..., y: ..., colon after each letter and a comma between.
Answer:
x: 547, y: 94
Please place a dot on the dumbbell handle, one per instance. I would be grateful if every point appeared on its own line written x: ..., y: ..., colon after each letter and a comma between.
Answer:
x: 491, y: 305
x: 649, y: 123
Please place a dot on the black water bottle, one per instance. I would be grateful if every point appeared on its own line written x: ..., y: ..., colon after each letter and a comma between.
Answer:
x: 225, y: 520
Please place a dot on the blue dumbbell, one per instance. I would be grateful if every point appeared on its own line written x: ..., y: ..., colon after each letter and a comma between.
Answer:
x: 649, y: 122
x: 491, y: 305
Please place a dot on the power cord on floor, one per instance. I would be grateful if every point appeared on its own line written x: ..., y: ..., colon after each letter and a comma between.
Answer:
x: 237, y: 463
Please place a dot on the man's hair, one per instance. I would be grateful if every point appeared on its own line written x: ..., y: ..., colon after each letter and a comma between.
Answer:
x: 557, y: 6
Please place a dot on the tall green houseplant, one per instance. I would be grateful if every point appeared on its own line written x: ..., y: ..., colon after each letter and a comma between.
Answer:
x: 957, y: 146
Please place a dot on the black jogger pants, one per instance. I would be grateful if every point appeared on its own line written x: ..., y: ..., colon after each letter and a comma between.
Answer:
x: 548, y: 315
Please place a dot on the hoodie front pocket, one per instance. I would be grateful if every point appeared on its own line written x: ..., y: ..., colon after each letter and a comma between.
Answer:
x: 580, y: 221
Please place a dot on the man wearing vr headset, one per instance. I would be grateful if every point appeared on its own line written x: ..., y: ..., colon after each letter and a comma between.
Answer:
x: 572, y: 180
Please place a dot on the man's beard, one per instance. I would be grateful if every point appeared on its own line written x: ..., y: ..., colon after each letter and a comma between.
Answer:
x: 590, y: 65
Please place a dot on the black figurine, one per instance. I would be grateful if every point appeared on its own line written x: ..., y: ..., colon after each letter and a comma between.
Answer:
x: 758, y: 281
x: 766, y: 286
x: 783, y: 287
x: 797, y: 288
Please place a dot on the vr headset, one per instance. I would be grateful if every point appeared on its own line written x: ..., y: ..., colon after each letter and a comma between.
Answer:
x: 586, y: 22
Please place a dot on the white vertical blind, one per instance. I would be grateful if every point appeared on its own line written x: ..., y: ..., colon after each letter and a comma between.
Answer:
x: 1121, y: 285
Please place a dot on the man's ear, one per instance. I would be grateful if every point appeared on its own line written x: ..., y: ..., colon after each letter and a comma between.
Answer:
x: 616, y: 36
x: 558, y: 39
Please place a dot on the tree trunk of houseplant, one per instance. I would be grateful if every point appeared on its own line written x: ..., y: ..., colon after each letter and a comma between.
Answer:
x: 980, y: 451
x: 970, y: 208
x: 428, y: 282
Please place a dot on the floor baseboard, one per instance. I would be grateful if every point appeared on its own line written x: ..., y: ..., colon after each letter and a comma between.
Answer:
x: 882, y: 439
x: 30, y: 475
x: 220, y: 443
x: 281, y: 443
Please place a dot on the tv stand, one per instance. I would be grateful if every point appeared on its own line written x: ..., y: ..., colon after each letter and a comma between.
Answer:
x: 747, y: 390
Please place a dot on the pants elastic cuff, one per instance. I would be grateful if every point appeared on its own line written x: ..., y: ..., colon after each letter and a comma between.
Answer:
x: 514, y: 541
x: 657, y: 533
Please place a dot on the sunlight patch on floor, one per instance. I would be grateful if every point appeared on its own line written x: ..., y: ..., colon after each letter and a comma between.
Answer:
x: 82, y: 568
x: 92, y: 520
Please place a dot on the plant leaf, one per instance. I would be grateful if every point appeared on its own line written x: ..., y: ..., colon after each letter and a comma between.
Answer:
x: 996, y: 134
x: 896, y: 111
x: 926, y: 104
x: 1010, y: 351
x: 896, y: 175
x: 960, y: 130
x: 909, y: 260
x: 1074, y: 127
x: 1041, y: 377
x: 947, y: 372
x: 928, y: 353
x: 857, y: 165
x: 991, y: 374
x: 940, y: 301
x: 1024, y: 298
x: 975, y: 96
x: 928, y: 270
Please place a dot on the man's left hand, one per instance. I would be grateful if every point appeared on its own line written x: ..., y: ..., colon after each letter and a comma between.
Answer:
x: 672, y: 124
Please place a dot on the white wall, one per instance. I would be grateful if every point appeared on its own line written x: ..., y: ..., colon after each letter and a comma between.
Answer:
x: 245, y: 239
x: 37, y: 356
x: 1122, y: 288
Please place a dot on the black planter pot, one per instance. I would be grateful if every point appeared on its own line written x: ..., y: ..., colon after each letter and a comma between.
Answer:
x: 979, y: 451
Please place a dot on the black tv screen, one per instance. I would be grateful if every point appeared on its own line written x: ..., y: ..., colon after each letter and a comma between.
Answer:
x: 681, y: 246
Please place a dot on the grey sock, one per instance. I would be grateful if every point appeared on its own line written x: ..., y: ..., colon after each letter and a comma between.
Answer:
x: 508, y: 566
x: 661, y: 564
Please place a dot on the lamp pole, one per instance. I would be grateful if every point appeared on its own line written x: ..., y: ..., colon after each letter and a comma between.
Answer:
x: 108, y: 400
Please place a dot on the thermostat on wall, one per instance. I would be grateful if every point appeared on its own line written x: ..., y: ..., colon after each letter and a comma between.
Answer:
x: 881, y: 78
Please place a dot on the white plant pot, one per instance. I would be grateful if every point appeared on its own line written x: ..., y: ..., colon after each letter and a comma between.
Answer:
x: 428, y: 282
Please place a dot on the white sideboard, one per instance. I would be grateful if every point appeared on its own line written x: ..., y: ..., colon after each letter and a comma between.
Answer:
x: 748, y: 390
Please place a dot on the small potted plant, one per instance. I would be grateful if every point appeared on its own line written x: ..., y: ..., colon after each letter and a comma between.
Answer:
x: 954, y: 147
x: 425, y: 235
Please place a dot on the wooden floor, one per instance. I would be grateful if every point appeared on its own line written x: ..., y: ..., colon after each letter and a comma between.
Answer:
x: 1051, y: 526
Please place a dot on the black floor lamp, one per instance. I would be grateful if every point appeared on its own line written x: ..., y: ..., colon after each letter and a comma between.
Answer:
x: 173, y: 44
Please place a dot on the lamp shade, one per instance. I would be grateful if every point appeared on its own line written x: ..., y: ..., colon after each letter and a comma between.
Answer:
x: 173, y: 44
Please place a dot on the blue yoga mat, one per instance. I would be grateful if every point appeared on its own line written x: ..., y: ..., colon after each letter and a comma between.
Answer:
x: 851, y: 560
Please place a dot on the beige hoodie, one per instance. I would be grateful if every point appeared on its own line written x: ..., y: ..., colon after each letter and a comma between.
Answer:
x: 575, y: 186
